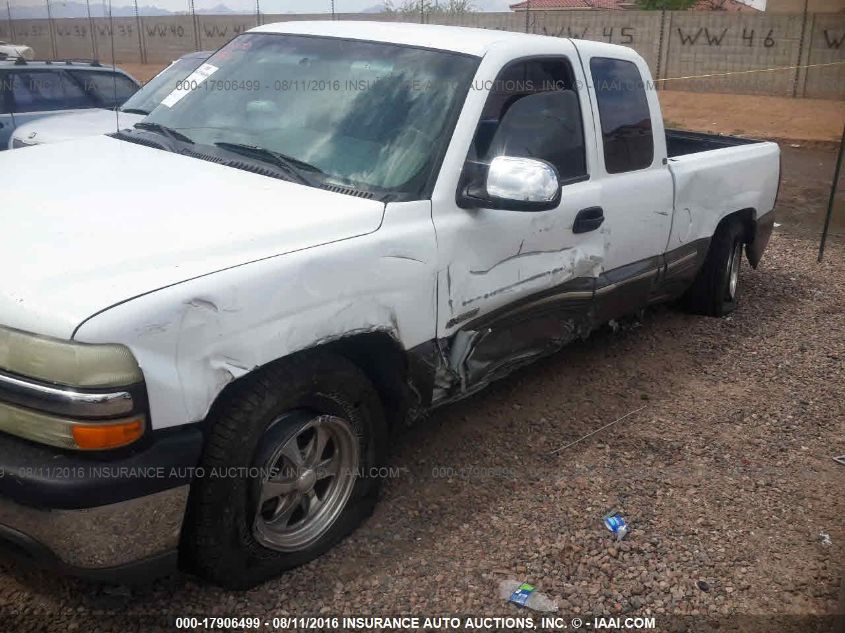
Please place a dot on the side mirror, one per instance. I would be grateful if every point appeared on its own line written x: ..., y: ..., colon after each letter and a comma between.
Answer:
x: 515, y: 184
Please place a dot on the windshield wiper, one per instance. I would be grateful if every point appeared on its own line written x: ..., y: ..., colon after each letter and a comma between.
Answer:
x: 291, y: 165
x: 135, y: 111
x: 164, y: 131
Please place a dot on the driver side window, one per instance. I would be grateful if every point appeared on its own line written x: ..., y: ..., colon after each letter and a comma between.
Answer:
x: 548, y: 126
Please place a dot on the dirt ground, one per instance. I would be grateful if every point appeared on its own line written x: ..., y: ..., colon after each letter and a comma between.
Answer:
x: 805, y: 191
x: 755, y: 116
x: 745, y: 115
x: 141, y: 72
x: 723, y: 470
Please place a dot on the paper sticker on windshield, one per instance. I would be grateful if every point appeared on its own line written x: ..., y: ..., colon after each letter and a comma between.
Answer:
x: 190, y: 83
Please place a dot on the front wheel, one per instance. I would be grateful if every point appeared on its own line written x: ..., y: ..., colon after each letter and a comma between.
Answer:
x: 308, y: 465
x: 715, y: 291
x: 286, y: 470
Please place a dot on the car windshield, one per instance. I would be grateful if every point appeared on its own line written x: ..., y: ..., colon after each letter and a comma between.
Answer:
x: 147, y: 98
x: 371, y: 116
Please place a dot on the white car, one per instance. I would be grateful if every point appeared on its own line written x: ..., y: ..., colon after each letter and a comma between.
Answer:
x: 9, y: 51
x: 327, y: 230
x: 73, y: 125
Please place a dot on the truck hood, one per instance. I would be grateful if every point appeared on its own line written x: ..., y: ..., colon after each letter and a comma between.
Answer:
x: 92, y: 223
x: 73, y: 125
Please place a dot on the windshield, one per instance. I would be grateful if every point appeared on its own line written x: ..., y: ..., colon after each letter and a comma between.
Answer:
x: 370, y: 116
x: 147, y: 98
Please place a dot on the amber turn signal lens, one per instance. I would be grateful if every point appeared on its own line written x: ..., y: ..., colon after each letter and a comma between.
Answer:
x: 100, y: 436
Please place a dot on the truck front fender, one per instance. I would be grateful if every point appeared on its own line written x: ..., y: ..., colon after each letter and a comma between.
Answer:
x: 194, y: 338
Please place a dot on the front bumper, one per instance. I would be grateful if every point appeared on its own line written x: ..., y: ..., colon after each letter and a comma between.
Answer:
x: 138, y: 537
x: 104, y: 517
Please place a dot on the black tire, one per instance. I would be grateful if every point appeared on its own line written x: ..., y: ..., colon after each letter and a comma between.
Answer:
x: 257, y: 412
x: 710, y: 293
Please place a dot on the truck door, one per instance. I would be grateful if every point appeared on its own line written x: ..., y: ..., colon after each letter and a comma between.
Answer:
x: 513, y: 285
x: 636, y: 186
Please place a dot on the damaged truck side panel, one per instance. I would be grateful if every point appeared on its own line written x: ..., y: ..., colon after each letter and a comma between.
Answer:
x: 745, y: 179
x: 513, y: 286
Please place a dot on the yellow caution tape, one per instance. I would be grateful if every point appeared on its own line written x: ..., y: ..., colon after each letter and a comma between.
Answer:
x: 746, y: 72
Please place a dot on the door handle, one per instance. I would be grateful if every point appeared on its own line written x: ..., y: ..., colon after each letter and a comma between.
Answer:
x: 588, y: 219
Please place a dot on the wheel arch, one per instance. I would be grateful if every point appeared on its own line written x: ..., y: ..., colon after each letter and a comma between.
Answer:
x: 384, y: 361
x: 756, y: 231
x: 377, y: 354
x: 747, y: 217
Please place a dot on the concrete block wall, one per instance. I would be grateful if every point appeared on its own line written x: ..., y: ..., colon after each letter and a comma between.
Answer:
x: 825, y: 44
x: 166, y: 38
x: 638, y: 29
x: 676, y: 44
x: 716, y: 43
x: 33, y: 33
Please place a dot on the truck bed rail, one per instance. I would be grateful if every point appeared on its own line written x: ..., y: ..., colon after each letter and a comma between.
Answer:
x: 682, y: 142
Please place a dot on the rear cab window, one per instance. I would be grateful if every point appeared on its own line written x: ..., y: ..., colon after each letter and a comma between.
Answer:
x: 624, y: 114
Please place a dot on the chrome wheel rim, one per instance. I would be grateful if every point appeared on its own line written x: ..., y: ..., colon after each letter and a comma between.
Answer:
x: 306, y: 483
x: 733, y: 270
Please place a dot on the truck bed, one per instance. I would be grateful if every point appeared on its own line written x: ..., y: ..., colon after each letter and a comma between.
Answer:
x: 681, y: 142
x: 740, y: 175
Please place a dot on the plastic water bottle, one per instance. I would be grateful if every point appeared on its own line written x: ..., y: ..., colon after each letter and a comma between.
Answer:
x: 616, y: 524
x: 524, y: 595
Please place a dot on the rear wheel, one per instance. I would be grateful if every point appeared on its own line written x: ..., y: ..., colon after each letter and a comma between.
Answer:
x: 716, y: 288
x: 286, y: 468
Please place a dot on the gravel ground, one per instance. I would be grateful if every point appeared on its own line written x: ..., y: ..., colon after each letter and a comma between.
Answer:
x: 724, y: 473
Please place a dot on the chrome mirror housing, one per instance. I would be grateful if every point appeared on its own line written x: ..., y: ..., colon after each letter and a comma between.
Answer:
x: 516, y: 184
x: 522, y: 180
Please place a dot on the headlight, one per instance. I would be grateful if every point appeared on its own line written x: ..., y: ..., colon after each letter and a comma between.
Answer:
x: 66, y: 362
x: 70, y: 395
x: 73, y: 434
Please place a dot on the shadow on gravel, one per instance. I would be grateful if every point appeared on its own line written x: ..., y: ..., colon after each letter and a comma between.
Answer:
x: 51, y: 589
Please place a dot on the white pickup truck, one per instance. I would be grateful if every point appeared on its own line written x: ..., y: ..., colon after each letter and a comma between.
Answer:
x: 210, y: 323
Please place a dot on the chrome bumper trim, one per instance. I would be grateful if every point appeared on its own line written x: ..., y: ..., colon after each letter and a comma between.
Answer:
x: 64, y: 401
x: 105, y: 536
